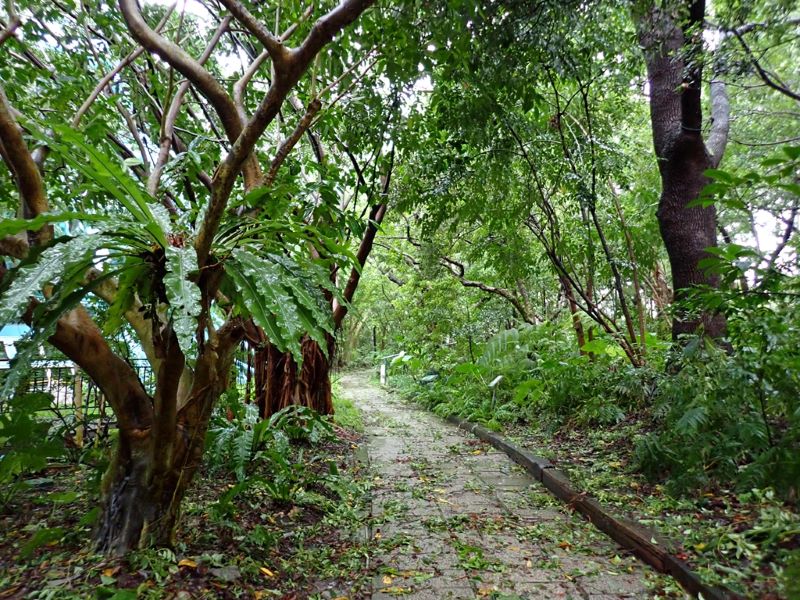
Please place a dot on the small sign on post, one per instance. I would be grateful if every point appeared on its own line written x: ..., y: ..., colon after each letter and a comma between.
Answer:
x: 383, y: 373
x: 493, y: 387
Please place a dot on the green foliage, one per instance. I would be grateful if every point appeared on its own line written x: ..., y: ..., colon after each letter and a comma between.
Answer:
x: 535, y: 385
x: 284, y: 306
x: 182, y: 293
x: 260, y: 451
x: 25, y: 447
x: 346, y: 413
x: 746, y: 403
x: 263, y: 455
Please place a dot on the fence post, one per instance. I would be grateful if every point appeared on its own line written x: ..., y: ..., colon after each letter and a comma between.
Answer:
x: 77, y: 400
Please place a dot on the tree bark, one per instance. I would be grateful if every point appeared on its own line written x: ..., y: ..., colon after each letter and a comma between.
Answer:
x: 152, y: 468
x: 674, y: 69
x: 280, y: 384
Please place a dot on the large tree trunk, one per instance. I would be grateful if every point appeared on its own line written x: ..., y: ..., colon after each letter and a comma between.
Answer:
x: 161, y: 440
x: 674, y: 68
x: 138, y: 509
x: 279, y: 382
x: 145, y: 484
x: 688, y: 231
x: 151, y: 471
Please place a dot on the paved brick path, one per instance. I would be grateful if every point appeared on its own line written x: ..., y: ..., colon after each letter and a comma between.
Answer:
x: 467, y: 522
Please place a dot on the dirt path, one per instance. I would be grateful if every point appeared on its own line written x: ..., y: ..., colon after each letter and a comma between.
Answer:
x: 464, y: 521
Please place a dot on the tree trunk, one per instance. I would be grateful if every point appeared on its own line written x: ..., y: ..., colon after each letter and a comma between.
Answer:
x: 138, y: 508
x: 674, y: 68
x: 688, y: 231
x: 279, y: 383
x: 577, y: 324
x: 153, y: 467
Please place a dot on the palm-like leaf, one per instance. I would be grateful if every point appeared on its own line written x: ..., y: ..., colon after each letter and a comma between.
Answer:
x: 182, y: 293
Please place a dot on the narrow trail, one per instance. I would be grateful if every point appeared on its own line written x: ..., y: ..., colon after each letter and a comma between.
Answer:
x: 465, y: 521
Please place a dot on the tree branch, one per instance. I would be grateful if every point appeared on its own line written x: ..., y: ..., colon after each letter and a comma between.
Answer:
x: 13, y: 22
x: 762, y: 73
x: 23, y: 167
x: 171, y: 115
x: 322, y: 32
x: 175, y: 56
x: 103, y: 83
x: 276, y: 49
x: 720, y: 122
x: 289, y: 143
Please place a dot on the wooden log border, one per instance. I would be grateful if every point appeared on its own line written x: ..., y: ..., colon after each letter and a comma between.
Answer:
x: 632, y: 536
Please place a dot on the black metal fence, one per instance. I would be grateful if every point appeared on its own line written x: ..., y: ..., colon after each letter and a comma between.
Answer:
x: 78, y: 407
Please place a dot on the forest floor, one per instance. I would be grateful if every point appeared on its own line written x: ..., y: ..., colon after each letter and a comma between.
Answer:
x: 397, y: 504
x: 464, y: 521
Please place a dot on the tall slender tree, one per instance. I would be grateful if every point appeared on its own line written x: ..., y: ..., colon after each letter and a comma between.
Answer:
x: 671, y: 35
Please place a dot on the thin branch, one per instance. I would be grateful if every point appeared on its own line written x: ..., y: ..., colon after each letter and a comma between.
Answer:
x: 175, y: 56
x: 103, y: 83
x: 277, y: 51
x: 321, y: 33
x: 376, y: 216
x: 765, y: 77
x: 171, y: 115
x: 784, y: 241
x: 241, y: 85
x: 290, y: 142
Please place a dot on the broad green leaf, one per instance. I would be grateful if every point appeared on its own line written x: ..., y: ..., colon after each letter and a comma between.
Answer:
x: 42, y: 536
x: 135, y: 269
x: 595, y: 346
x: 720, y: 175
x: 182, y: 293
x: 14, y: 226
x: 280, y: 304
x: 108, y: 175
x: 47, y: 268
x: 252, y: 301
x: 45, y: 317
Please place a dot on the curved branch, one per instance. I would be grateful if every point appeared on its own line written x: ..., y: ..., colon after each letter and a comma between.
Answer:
x: 290, y: 142
x: 23, y: 167
x: 116, y: 70
x: 175, y: 56
x: 276, y: 49
x: 762, y: 73
x: 171, y: 115
x: 240, y: 86
x: 285, y: 79
x: 13, y: 22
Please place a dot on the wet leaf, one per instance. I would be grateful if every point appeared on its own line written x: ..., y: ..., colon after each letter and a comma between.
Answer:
x: 187, y: 562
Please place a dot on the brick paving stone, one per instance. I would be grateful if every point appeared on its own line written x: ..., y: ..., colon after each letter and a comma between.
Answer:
x: 467, y: 521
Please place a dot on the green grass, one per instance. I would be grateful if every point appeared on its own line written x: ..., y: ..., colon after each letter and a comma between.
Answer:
x: 346, y: 414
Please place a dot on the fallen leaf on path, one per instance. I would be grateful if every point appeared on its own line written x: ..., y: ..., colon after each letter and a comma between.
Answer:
x: 185, y: 562
x: 396, y: 590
